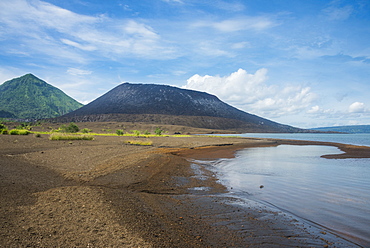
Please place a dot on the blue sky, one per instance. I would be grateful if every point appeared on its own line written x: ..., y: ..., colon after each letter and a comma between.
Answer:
x: 301, y: 63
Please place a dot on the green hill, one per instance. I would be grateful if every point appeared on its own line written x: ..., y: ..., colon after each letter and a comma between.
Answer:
x: 29, y: 97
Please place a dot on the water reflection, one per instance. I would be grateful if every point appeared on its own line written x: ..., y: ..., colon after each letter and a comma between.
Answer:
x: 333, y: 193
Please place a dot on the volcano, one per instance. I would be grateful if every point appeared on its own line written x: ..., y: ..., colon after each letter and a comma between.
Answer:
x: 163, y: 104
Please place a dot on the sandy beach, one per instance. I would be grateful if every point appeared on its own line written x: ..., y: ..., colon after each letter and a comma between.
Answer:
x: 105, y: 193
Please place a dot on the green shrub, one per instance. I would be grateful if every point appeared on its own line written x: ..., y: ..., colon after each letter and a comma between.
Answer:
x: 146, y: 132
x: 24, y: 132
x: 2, y: 126
x: 3, y: 129
x: 71, y: 128
x: 86, y: 130
x: 136, y: 132
x: 61, y: 136
x: 14, y: 132
x: 158, y: 131
x: 119, y: 132
x: 24, y: 125
x: 19, y: 132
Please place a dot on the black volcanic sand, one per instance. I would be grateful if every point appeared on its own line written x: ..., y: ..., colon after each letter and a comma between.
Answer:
x: 103, y: 193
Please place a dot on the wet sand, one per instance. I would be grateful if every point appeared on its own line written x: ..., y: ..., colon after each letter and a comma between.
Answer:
x: 104, y: 193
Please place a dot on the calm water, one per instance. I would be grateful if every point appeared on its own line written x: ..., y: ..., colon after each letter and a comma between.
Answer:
x: 362, y: 139
x: 332, y: 193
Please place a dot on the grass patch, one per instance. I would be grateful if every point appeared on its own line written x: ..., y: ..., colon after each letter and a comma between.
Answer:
x: 139, y: 143
x: 19, y: 132
x: 62, y: 136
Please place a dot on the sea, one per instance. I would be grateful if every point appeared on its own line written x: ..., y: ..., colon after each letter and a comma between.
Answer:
x: 331, y: 193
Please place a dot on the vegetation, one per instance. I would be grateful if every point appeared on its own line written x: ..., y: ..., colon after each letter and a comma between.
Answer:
x: 139, y: 142
x: 119, y: 132
x: 25, y: 125
x: 6, y: 114
x: 29, y: 97
x: 86, y: 130
x: 19, y: 132
x: 136, y: 132
x: 158, y: 131
x: 3, y: 129
x: 71, y: 128
x: 63, y: 136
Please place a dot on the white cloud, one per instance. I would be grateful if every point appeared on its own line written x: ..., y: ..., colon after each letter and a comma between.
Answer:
x: 209, y: 48
x: 38, y: 24
x: 357, y: 107
x: 251, y: 93
x: 314, y: 110
x: 238, y: 24
x: 78, y: 45
x: 240, y: 45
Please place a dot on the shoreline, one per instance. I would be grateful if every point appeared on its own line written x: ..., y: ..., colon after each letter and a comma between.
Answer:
x: 103, y: 193
x: 307, y: 231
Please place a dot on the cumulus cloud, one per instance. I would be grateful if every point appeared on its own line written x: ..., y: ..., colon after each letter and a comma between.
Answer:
x: 357, y: 107
x: 251, y: 93
x: 314, y: 110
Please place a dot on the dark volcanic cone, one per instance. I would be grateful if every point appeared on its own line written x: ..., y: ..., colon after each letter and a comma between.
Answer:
x: 163, y: 104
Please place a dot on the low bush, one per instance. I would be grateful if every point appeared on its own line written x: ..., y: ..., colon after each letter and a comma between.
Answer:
x: 158, y: 131
x: 86, y: 130
x: 61, y: 136
x: 136, y: 132
x: 119, y: 132
x: 71, y: 128
x: 19, y: 132
x: 139, y: 143
x: 3, y: 129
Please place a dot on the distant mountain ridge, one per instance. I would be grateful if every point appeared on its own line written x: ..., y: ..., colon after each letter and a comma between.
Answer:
x: 171, y: 105
x: 29, y: 97
x: 345, y: 129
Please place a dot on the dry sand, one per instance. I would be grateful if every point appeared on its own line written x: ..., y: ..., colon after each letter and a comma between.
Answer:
x: 104, y: 193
